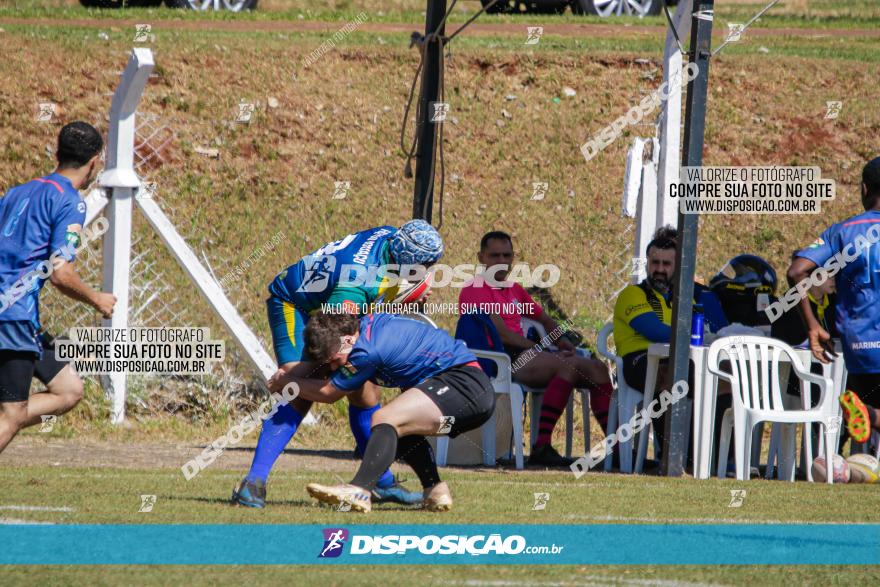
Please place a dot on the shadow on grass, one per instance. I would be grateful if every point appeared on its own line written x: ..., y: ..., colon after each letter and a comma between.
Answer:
x: 340, y: 455
x: 225, y: 501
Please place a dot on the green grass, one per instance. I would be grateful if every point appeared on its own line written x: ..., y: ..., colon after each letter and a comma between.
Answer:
x: 341, y: 120
x: 277, y: 173
x: 864, y: 50
x: 817, y: 14
x: 444, y: 575
x: 110, y: 495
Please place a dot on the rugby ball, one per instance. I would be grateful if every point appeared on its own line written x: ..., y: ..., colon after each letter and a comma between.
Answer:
x: 412, y: 291
x: 863, y: 469
x: 820, y: 470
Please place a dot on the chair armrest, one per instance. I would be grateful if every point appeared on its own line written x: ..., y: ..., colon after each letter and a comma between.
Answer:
x: 502, y: 360
x: 825, y: 385
x: 602, y: 349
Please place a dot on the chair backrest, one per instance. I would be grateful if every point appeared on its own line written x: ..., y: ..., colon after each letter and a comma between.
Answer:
x: 602, y: 347
x: 422, y: 318
x: 602, y: 342
x: 478, y: 332
x: 605, y: 333
x: 754, y: 363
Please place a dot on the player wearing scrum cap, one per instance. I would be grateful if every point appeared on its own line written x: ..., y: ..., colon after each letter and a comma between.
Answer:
x: 301, y: 290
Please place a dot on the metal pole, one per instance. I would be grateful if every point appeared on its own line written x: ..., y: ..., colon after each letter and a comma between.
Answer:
x: 423, y: 195
x: 675, y: 450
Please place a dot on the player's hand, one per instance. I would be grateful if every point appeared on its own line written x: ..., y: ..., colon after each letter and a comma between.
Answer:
x: 565, y: 345
x: 104, y: 303
x: 276, y: 382
x: 424, y: 297
x: 820, y: 344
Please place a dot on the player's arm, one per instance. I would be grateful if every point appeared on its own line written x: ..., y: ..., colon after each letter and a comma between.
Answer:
x: 637, y: 312
x: 550, y: 326
x: 345, y: 380
x: 531, y: 309
x: 67, y: 280
x: 509, y: 338
x: 64, y: 238
x: 314, y: 390
x: 343, y: 298
x: 475, y: 298
x: 820, y: 341
x: 651, y: 327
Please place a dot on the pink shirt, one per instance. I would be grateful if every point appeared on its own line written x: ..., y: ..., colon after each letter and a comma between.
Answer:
x: 510, y: 303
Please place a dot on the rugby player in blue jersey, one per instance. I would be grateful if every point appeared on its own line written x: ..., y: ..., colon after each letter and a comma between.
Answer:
x: 853, y: 246
x: 443, y: 391
x: 40, y: 226
x: 349, y: 273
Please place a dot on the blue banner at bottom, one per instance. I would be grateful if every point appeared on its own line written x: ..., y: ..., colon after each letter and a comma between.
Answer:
x: 611, y: 544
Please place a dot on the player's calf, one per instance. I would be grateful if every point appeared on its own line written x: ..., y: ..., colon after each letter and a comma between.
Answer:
x: 63, y: 392
x: 16, y: 371
x: 13, y: 415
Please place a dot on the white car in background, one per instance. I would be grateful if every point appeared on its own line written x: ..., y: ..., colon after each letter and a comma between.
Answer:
x: 601, y: 8
x: 231, y: 5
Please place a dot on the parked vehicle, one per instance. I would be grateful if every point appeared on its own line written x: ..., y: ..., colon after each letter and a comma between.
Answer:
x: 230, y: 5
x: 602, y: 8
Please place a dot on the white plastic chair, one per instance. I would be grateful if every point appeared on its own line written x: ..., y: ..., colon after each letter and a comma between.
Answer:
x: 503, y: 385
x: 758, y: 397
x: 838, y: 373
x: 624, y: 402
x: 537, y: 394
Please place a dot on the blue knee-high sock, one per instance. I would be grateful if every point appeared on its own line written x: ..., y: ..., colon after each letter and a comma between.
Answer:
x: 276, y: 433
x: 360, y: 421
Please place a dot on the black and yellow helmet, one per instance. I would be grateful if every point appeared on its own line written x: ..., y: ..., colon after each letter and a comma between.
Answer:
x: 745, y: 272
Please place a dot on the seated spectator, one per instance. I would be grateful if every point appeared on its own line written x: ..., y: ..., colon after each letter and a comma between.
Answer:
x: 643, y: 315
x: 534, y: 366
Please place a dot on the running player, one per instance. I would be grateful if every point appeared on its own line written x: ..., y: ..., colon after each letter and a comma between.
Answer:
x: 858, y: 303
x: 443, y: 391
x: 40, y: 226
x: 337, y: 275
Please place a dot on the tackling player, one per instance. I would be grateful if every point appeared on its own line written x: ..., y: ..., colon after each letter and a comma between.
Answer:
x: 443, y: 391
x: 39, y: 221
x: 858, y: 303
x: 324, y: 277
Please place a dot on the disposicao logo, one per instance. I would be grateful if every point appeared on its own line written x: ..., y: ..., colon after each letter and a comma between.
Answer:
x: 334, y: 539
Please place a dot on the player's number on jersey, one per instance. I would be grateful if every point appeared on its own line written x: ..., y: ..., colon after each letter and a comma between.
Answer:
x: 13, y: 222
x: 872, y: 264
x: 333, y: 247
